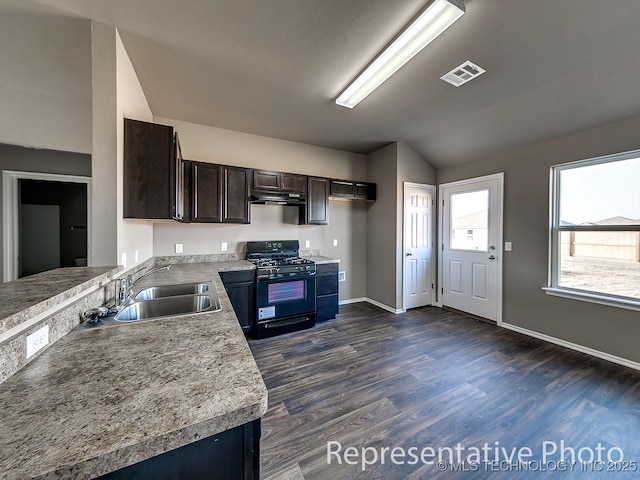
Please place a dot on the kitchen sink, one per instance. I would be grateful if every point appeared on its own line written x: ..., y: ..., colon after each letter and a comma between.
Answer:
x: 168, y: 307
x: 163, y: 291
x: 162, y: 301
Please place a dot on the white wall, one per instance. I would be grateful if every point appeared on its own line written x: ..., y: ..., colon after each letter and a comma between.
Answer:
x: 45, y: 81
x: 347, y: 220
x: 104, y: 144
x: 133, y: 235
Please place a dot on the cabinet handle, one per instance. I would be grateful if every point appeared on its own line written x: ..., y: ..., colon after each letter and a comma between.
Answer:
x: 342, y: 183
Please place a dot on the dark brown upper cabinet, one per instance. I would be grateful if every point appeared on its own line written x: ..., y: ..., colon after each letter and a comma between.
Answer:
x: 235, y: 194
x: 153, y: 172
x: 206, y: 193
x: 354, y: 190
x: 218, y: 193
x: 316, y: 210
x: 279, y: 182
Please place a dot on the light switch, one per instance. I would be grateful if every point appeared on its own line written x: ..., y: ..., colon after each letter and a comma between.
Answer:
x: 508, y: 246
x: 335, y: 242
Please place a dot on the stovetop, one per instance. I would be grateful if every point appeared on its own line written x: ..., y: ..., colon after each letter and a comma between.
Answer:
x: 278, y: 262
x: 278, y: 258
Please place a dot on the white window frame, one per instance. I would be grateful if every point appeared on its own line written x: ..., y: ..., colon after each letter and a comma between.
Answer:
x: 555, y: 230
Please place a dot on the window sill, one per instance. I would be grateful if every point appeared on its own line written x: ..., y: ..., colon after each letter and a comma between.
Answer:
x: 593, y: 298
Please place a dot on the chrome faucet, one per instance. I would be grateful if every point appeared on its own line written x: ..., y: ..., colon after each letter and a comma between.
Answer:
x: 124, y: 286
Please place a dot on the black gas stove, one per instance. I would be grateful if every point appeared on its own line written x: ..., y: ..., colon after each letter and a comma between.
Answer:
x: 285, y: 287
x: 277, y: 259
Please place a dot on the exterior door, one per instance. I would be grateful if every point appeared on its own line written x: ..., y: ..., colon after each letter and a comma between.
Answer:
x: 471, y: 267
x: 418, y: 245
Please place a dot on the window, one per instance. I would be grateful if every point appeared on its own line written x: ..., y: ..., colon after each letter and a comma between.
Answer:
x: 595, y: 230
x: 470, y: 217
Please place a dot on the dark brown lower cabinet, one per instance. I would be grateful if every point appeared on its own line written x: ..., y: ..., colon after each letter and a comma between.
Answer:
x: 233, y: 454
x: 240, y: 287
x: 326, y: 291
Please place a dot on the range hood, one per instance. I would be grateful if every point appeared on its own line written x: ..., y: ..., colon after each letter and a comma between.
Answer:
x: 277, y: 198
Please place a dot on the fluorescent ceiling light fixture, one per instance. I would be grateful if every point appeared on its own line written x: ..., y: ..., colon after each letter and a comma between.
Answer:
x: 434, y: 20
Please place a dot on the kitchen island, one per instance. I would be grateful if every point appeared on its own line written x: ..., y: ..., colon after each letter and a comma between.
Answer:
x: 101, y: 399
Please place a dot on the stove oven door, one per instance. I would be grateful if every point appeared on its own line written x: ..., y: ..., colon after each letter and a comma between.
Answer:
x: 286, y: 297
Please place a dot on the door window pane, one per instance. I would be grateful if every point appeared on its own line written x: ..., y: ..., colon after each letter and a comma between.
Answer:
x: 470, y: 221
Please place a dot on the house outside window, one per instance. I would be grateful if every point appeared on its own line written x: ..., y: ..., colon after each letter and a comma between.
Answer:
x: 595, y: 230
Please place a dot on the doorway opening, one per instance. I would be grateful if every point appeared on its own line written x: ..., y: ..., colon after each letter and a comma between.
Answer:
x: 46, y: 222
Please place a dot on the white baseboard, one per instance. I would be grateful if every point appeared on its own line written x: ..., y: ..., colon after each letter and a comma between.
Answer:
x: 352, y: 300
x: 574, y: 346
x: 373, y: 302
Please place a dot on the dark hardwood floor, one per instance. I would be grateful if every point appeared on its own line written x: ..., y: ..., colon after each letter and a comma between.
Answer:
x: 434, y: 378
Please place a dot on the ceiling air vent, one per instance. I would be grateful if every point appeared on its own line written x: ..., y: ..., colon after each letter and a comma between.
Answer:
x: 463, y: 73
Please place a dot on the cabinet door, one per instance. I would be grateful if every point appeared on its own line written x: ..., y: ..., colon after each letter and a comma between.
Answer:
x: 342, y: 188
x: 263, y: 180
x: 365, y: 191
x: 241, y: 296
x: 292, y: 183
x: 177, y: 180
x: 235, y: 202
x: 149, y: 186
x: 240, y: 287
x: 205, y: 193
x: 317, y: 208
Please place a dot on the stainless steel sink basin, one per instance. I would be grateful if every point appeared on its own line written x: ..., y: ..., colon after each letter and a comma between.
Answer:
x: 158, y: 302
x: 163, y: 291
x: 169, y: 307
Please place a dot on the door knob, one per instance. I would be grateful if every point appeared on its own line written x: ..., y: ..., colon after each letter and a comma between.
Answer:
x: 492, y: 257
x: 409, y: 254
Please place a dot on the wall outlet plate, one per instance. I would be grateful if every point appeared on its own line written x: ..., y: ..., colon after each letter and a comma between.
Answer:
x: 179, y: 248
x: 342, y: 276
x: 136, y: 256
x: 307, y: 244
x: 335, y: 242
x: 37, y: 340
x: 508, y: 246
x: 123, y: 259
x: 223, y: 246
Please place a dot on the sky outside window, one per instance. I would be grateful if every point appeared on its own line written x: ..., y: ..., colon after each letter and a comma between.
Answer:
x: 598, y: 192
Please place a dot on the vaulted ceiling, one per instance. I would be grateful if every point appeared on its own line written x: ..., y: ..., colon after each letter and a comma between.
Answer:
x: 274, y: 68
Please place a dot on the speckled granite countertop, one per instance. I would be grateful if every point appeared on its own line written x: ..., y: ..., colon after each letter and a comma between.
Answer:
x: 101, y: 399
x: 319, y: 259
x: 30, y: 296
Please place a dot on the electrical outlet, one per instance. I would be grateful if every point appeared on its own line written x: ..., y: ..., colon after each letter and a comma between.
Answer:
x: 307, y: 244
x: 179, y: 248
x: 123, y: 259
x: 342, y: 276
x: 37, y: 340
x: 335, y: 242
x: 136, y: 257
x: 223, y: 246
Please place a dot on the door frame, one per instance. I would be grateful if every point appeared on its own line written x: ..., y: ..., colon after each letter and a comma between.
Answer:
x: 10, y: 215
x: 500, y: 247
x: 432, y: 227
